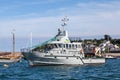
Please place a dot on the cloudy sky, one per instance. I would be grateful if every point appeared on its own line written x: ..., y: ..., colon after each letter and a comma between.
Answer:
x: 43, y: 17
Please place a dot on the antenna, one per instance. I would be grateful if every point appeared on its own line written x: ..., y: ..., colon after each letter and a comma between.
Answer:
x: 64, y: 20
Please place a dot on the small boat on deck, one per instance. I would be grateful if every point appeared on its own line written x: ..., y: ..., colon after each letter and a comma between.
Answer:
x: 60, y: 51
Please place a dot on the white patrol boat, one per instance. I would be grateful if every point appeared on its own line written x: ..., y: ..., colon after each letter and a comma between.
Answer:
x: 59, y: 51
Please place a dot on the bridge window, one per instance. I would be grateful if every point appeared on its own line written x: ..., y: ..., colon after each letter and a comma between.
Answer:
x: 60, y: 45
x: 79, y: 46
x: 67, y: 46
x: 73, y: 46
x: 70, y: 46
x: 64, y: 45
x: 76, y: 46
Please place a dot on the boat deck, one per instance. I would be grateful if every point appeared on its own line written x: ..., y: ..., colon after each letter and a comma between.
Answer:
x: 10, y: 55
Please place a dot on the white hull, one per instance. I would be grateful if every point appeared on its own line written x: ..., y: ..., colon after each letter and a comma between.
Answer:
x: 61, y: 60
x: 52, y: 60
x: 9, y: 61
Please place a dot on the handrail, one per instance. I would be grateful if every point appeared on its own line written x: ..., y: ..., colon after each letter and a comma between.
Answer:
x: 25, y: 50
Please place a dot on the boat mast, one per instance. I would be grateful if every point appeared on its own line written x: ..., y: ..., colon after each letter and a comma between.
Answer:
x: 31, y: 40
x: 64, y: 20
x: 13, y: 35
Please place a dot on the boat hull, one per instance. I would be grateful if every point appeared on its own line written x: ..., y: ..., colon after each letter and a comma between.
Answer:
x: 34, y: 59
x: 52, y: 59
x: 9, y: 60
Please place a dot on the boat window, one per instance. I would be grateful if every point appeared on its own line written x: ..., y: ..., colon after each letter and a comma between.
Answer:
x: 55, y: 46
x: 69, y: 45
x: 76, y: 46
x: 48, y: 47
x: 51, y: 46
x: 60, y: 45
x: 66, y: 45
x: 73, y: 46
x: 79, y: 46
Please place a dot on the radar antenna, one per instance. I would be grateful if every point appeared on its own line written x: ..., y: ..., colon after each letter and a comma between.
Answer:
x: 64, y: 20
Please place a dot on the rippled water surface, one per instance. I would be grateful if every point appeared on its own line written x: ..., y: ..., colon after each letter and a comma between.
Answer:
x: 22, y: 71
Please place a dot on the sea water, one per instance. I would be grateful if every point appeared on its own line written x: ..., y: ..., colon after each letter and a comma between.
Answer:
x: 22, y: 71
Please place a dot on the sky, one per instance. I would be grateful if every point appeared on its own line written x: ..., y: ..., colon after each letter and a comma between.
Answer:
x: 43, y: 17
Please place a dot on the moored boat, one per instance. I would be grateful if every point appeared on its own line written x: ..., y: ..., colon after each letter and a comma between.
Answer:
x: 9, y: 57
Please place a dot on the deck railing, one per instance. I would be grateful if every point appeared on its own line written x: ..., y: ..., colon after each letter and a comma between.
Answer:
x: 25, y: 50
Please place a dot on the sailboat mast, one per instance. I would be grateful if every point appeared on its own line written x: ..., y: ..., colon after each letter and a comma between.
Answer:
x: 13, y: 35
x: 31, y: 39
